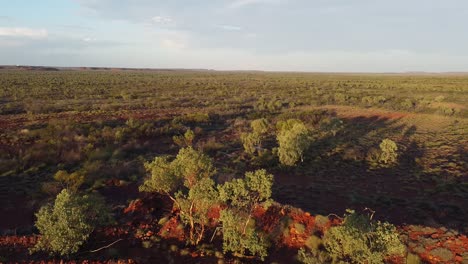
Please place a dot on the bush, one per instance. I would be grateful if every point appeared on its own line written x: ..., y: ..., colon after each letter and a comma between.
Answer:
x: 186, y: 140
x: 67, y: 224
x: 389, y: 153
x: 293, y: 140
x: 359, y: 240
x: 186, y: 181
x: 194, y: 207
x: 242, y: 196
x: 238, y: 240
x: 167, y: 177
x: 252, y: 141
x: 260, y: 126
x: 70, y: 181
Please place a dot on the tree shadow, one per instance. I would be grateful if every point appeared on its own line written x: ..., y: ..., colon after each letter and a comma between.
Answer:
x: 329, y: 182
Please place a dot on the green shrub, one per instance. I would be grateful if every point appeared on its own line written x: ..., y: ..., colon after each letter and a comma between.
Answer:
x: 195, y: 205
x: 167, y: 177
x: 293, y: 140
x: 359, y: 240
x: 389, y: 154
x: 186, y: 181
x: 241, y: 197
x: 67, y: 224
x: 250, y: 141
x: 70, y: 181
x: 186, y: 140
x: 240, y: 240
x: 260, y: 126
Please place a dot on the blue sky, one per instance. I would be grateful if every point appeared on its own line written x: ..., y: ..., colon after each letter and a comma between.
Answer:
x: 278, y: 35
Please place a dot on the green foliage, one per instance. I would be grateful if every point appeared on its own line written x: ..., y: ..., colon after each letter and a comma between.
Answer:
x: 260, y: 126
x: 162, y: 178
x: 195, y: 205
x: 248, y: 192
x: 359, y: 240
x: 67, y: 224
x: 293, y: 139
x: 242, y: 196
x: 189, y: 167
x: 186, y: 140
x: 385, y: 156
x: 268, y: 105
x: 389, y: 154
x: 240, y: 240
x: 250, y: 141
x: 70, y: 181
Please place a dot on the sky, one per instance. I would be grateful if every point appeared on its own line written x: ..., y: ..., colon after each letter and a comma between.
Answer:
x: 273, y: 35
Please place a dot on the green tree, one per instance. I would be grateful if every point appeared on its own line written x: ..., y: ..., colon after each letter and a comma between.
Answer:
x: 242, y: 196
x: 360, y: 240
x: 67, y: 224
x: 293, y: 139
x: 252, y: 141
x: 167, y: 177
x: 238, y: 239
x: 195, y: 205
x: 187, y: 181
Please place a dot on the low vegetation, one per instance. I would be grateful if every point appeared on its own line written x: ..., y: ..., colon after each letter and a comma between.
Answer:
x: 224, y: 167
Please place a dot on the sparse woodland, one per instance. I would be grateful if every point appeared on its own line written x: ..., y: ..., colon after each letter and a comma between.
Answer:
x: 232, y: 167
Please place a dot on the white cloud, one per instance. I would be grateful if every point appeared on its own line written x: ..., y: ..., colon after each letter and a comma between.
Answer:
x: 161, y: 20
x: 229, y: 27
x: 88, y: 39
x: 23, y: 32
x: 243, y: 3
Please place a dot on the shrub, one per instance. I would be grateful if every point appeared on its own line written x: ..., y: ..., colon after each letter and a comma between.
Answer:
x: 186, y: 140
x: 242, y: 196
x: 252, y: 141
x: 67, y: 224
x: 293, y: 140
x: 359, y: 240
x: 186, y: 181
x: 167, y: 177
x: 238, y: 239
x: 195, y: 205
x: 260, y: 126
x: 389, y: 153
x: 70, y: 181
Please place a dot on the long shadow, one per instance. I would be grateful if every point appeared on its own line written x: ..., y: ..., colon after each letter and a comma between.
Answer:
x: 404, y: 194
